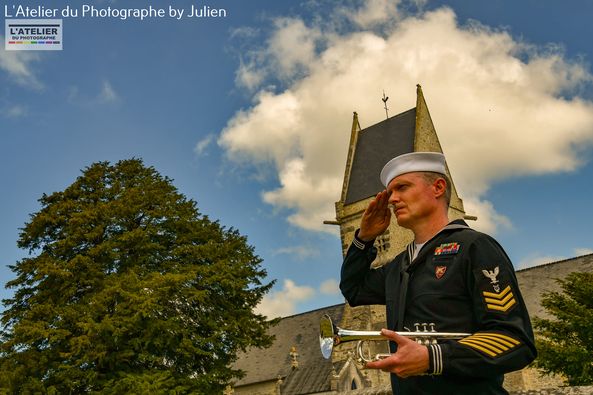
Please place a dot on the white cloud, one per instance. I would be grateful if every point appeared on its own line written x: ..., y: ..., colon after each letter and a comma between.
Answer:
x: 299, y: 191
x: 330, y: 287
x: 489, y: 221
x: 583, y: 251
x: 107, y: 93
x: 492, y: 99
x: 201, y: 145
x: 282, y: 303
x: 300, y: 252
x: 248, y: 75
x: 15, y: 111
x: 373, y: 13
x: 18, y: 64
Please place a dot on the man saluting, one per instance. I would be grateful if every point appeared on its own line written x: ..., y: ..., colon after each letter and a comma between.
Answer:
x: 450, y: 275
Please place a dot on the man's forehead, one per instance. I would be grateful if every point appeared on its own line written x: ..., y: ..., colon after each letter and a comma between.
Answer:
x: 406, y: 178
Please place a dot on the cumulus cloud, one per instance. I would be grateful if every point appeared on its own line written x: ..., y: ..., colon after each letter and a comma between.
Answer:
x: 283, y: 302
x: 201, y: 145
x: 583, y: 251
x: 300, y: 252
x: 489, y: 220
x: 18, y: 64
x: 373, y: 13
x: 107, y: 93
x: 492, y: 99
x: 330, y: 287
x: 14, y: 111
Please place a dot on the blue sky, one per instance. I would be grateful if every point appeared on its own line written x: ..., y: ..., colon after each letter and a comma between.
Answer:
x: 250, y: 116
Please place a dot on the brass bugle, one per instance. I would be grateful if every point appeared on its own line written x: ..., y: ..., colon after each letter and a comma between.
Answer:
x: 331, y: 336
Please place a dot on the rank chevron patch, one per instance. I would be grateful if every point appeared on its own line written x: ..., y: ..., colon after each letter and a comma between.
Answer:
x: 491, y: 344
x: 501, y: 301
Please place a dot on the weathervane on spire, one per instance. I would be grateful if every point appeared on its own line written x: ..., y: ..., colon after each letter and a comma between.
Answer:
x: 384, y: 99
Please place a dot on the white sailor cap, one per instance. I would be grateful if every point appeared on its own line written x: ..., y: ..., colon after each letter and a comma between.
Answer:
x: 414, y: 161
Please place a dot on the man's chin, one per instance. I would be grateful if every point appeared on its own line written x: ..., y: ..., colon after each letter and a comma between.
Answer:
x: 402, y: 221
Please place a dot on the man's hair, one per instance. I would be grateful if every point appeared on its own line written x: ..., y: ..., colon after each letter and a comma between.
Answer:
x: 431, y: 177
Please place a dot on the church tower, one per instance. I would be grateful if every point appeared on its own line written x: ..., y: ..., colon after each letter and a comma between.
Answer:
x: 369, y: 150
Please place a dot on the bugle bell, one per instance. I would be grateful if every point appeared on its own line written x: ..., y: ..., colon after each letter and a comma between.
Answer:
x: 331, y: 336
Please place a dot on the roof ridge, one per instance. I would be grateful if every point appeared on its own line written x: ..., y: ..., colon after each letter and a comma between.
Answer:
x: 312, y: 311
x: 553, y: 263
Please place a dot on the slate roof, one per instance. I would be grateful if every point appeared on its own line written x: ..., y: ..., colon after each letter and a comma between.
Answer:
x: 375, y: 146
x: 301, y: 331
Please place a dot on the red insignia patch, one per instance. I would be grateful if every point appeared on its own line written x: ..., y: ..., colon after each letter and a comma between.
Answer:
x: 439, y: 271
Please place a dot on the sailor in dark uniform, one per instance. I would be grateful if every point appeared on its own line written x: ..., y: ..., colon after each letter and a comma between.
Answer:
x: 450, y: 275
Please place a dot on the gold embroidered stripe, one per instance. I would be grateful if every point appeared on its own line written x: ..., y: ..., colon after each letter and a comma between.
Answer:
x: 476, y: 343
x: 492, y: 344
x: 478, y: 347
x: 502, y: 308
x: 499, y: 336
x: 503, y: 345
x: 499, y: 302
x: 498, y: 295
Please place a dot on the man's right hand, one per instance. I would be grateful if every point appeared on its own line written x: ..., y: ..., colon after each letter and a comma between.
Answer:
x: 376, y: 217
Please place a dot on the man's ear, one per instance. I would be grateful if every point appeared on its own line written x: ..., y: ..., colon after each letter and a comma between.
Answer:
x: 439, y: 187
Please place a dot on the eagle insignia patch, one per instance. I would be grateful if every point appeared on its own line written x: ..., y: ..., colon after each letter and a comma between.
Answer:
x: 491, y: 274
x: 447, y: 249
x: 439, y: 271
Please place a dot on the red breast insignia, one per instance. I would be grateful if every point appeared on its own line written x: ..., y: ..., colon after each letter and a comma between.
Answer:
x: 439, y: 271
x: 447, y: 249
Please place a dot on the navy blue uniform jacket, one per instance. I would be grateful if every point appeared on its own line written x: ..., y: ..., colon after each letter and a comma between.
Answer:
x: 462, y: 281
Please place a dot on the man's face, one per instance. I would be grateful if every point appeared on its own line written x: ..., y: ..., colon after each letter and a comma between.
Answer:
x: 412, y: 199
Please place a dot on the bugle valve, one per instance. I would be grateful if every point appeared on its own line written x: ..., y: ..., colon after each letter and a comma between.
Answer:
x: 331, y: 336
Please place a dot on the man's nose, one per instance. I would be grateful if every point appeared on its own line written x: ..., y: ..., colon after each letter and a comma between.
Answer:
x: 393, y: 198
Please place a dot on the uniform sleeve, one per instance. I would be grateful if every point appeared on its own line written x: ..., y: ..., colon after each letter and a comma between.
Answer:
x: 360, y: 284
x: 503, y: 340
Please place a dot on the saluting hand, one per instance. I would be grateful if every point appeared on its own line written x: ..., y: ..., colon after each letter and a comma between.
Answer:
x: 411, y: 358
x: 376, y: 217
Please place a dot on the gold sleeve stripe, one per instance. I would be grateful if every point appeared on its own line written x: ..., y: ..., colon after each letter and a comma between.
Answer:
x: 484, y: 344
x: 492, y: 344
x: 498, y: 295
x: 501, y: 308
x: 502, y: 301
x: 510, y: 343
x: 499, y: 302
x: 478, y: 347
x: 499, y: 336
x: 501, y: 346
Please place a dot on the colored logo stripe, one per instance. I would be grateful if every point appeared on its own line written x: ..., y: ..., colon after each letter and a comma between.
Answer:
x: 449, y: 248
x: 491, y: 344
x: 502, y: 301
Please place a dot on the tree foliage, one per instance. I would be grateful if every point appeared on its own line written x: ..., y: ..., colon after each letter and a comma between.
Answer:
x: 127, y: 288
x: 565, y: 344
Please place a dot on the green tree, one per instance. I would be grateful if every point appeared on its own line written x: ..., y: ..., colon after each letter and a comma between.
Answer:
x: 565, y: 344
x: 127, y: 288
